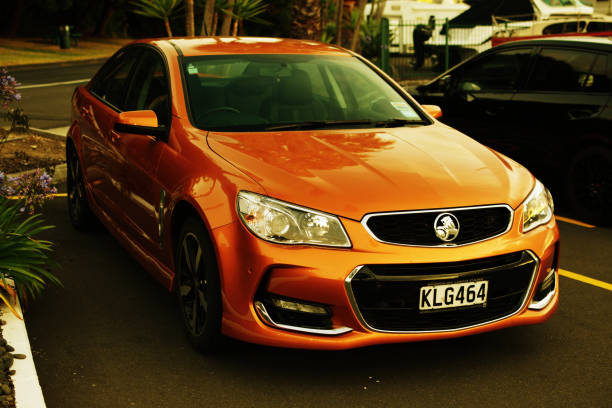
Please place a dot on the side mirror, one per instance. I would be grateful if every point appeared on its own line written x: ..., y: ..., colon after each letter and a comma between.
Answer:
x: 433, y: 110
x: 444, y: 83
x: 141, y: 122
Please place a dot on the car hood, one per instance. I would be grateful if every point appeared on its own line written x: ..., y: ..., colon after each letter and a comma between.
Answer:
x: 354, y: 172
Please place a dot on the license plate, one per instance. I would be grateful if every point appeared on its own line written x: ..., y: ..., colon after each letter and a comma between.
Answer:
x: 453, y: 295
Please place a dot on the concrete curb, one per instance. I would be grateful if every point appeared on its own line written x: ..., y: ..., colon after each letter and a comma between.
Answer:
x: 28, y: 393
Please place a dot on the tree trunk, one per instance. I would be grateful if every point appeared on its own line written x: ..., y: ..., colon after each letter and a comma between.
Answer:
x: 235, y: 28
x: 189, y: 28
x: 15, y: 21
x: 227, y: 19
x: 355, y: 42
x: 168, y: 29
x: 215, y: 24
x: 306, y: 17
x: 207, y: 20
x: 380, y: 9
x: 339, y: 21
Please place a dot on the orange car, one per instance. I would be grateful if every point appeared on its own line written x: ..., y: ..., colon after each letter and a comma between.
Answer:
x: 293, y: 195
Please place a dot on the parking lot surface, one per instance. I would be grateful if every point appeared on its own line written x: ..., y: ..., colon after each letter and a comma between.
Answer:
x: 112, y: 338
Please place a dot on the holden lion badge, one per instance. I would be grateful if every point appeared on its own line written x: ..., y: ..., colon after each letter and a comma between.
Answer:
x: 446, y: 227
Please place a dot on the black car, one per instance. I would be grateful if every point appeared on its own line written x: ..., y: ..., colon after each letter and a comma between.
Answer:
x: 545, y: 103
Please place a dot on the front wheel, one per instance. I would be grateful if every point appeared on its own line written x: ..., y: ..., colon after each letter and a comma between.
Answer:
x: 198, y: 287
x: 589, y: 185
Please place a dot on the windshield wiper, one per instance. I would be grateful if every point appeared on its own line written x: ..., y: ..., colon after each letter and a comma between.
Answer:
x: 319, y: 124
x: 322, y: 124
x: 399, y: 122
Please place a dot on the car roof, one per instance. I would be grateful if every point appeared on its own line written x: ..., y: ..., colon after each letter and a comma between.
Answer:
x: 602, y: 43
x: 194, y: 46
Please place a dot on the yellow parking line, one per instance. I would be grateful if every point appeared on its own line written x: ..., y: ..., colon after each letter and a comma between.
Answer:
x: 586, y: 279
x: 575, y: 222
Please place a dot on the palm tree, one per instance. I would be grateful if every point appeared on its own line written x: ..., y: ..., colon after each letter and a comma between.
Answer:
x: 355, y: 41
x: 189, y: 28
x: 227, y: 19
x: 160, y: 9
x: 207, y: 19
x: 306, y: 17
x: 244, y: 10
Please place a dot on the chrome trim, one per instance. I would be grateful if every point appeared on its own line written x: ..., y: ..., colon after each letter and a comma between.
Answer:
x: 263, y: 314
x: 355, y: 307
x: 366, y: 217
x: 539, y: 305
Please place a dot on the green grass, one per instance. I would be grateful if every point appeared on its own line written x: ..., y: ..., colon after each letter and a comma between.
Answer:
x: 37, y: 51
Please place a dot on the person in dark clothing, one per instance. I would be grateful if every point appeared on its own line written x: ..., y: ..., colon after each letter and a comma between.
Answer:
x: 420, y: 35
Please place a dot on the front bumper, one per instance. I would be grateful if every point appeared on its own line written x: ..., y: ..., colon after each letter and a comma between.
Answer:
x: 249, y: 266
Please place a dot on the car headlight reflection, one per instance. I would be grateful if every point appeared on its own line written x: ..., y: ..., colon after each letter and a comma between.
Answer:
x: 280, y: 222
x: 538, y: 208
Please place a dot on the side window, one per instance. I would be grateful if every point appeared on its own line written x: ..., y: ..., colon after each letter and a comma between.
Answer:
x: 500, y: 71
x: 150, y: 88
x: 598, y: 26
x: 567, y: 70
x: 111, y: 85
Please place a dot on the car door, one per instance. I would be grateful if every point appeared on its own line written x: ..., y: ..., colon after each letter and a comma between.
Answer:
x: 99, y: 109
x: 142, y: 197
x: 560, y: 106
x: 476, y: 98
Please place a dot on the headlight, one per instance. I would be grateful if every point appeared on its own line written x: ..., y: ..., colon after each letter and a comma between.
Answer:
x: 538, y: 208
x: 280, y: 222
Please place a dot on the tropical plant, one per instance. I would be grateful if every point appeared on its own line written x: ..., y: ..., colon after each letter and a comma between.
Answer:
x: 306, y: 17
x: 23, y: 259
x: 159, y: 9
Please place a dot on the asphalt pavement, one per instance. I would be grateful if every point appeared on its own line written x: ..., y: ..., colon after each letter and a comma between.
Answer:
x: 46, y: 91
x: 112, y: 338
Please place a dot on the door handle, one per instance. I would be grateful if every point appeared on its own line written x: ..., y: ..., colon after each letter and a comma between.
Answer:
x: 114, y: 136
x: 85, y: 112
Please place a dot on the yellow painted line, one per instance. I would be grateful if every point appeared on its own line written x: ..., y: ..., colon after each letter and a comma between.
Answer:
x: 586, y: 279
x: 575, y: 222
x: 50, y: 195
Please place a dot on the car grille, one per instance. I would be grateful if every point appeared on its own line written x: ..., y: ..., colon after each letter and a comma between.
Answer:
x: 417, y: 227
x: 387, y: 296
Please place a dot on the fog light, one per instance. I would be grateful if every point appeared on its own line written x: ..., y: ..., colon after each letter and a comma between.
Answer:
x: 298, y: 306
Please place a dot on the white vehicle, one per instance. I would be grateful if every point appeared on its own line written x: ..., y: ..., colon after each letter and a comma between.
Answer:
x: 404, y: 15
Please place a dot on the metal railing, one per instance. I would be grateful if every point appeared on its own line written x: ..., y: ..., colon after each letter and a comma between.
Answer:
x: 421, y: 51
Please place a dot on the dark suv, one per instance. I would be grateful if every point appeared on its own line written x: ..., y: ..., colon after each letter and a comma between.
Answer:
x: 545, y: 103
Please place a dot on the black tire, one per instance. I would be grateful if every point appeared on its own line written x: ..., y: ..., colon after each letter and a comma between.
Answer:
x: 589, y: 185
x: 197, y: 286
x: 78, y: 208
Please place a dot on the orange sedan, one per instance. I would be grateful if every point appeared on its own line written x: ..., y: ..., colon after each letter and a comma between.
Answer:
x: 293, y: 195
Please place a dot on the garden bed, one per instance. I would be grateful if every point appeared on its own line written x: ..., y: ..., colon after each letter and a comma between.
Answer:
x: 28, y: 150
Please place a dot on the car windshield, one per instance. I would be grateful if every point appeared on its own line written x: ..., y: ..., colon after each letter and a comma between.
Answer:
x: 285, y: 92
